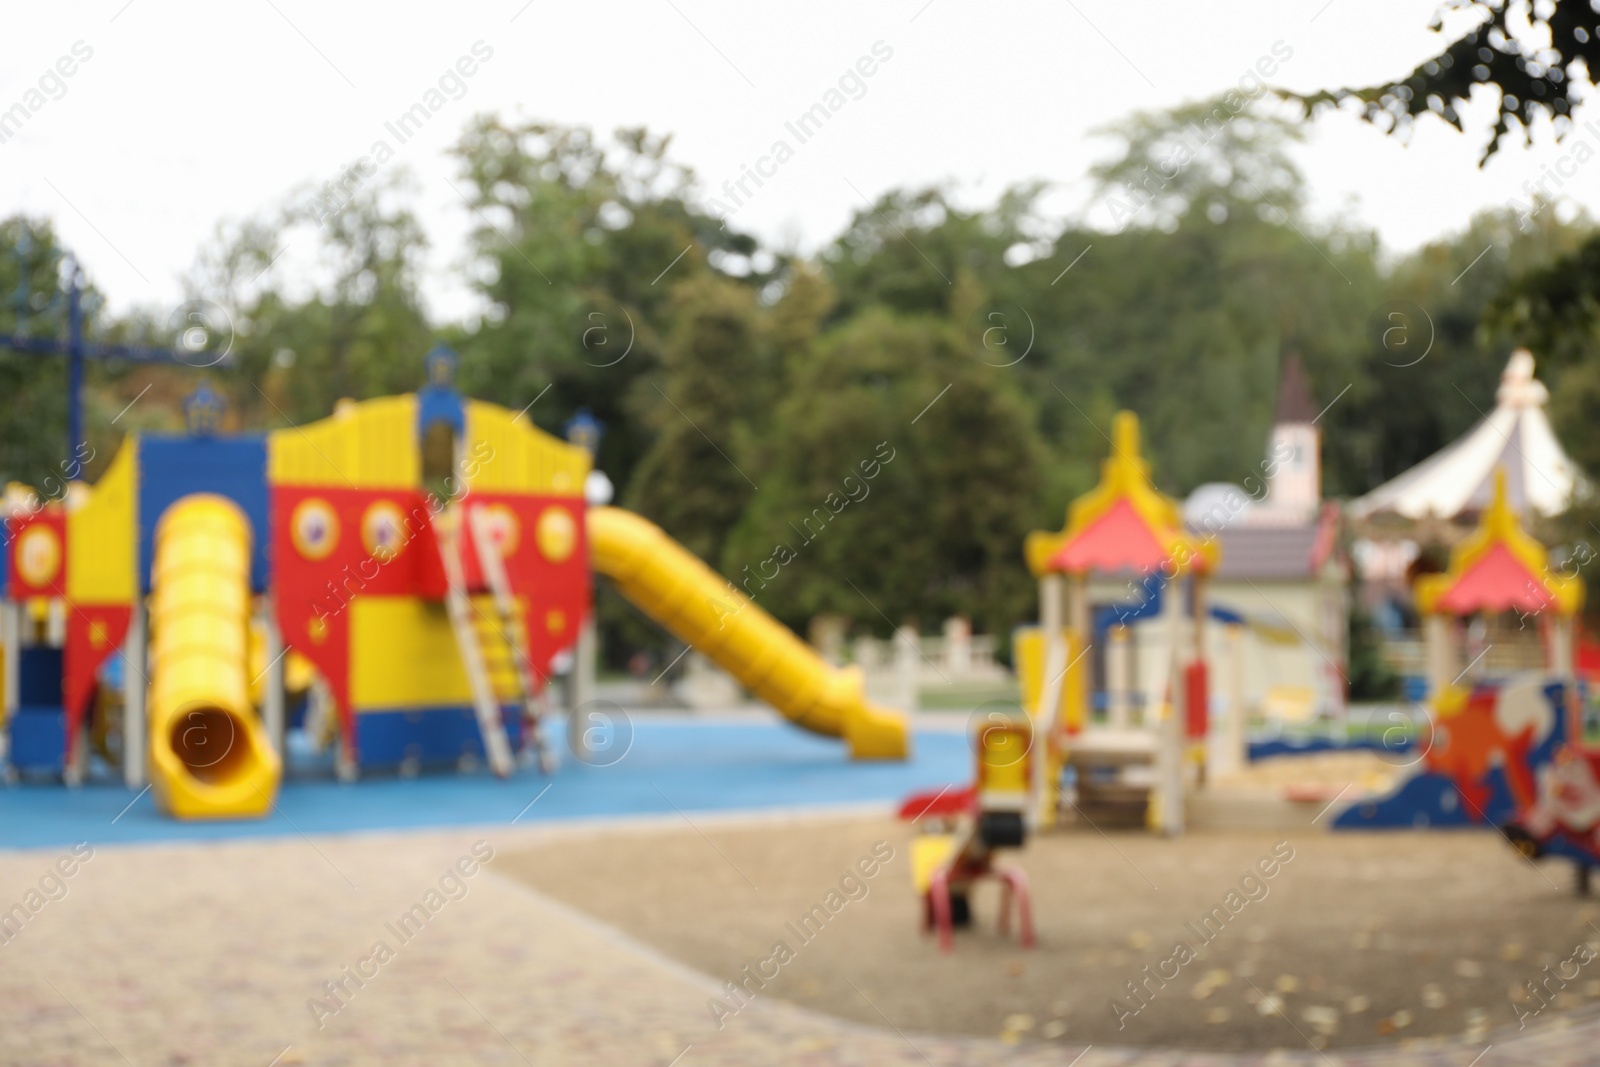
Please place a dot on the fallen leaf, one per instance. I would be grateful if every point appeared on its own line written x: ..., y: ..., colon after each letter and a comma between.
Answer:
x: 1323, y: 1019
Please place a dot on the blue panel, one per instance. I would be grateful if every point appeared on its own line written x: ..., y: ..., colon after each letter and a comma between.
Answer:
x: 1273, y: 747
x: 430, y: 736
x: 39, y: 741
x: 439, y: 405
x: 39, y: 677
x: 171, y: 468
x: 1425, y: 800
x: 435, y: 404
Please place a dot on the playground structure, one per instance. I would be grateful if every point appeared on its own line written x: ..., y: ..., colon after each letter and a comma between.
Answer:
x: 1507, y: 752
x: 427, y: 554
x: 1127, y: 741
x: 1125, y: 745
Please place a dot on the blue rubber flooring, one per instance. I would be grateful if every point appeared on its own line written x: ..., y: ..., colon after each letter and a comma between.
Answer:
x: 670, y: 767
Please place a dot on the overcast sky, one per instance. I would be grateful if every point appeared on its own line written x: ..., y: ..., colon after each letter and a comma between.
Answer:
x: 190, y: 113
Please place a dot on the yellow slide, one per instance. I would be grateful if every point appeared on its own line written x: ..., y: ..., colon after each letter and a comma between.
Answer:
x: 209, y: 754
x: 681, y: 593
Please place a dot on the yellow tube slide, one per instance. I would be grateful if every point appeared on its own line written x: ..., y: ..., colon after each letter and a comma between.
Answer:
x: 209, y: 754
x: 685, y: 596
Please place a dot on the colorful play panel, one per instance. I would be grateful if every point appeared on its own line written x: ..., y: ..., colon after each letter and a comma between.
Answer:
x: 399, y: 579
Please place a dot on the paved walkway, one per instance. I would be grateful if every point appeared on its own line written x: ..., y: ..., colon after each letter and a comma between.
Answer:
x: 214, y: 953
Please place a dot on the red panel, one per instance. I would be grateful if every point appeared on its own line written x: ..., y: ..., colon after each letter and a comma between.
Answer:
x: 1116, y: 540
x: 38, y: 554
x: 325, y: 554
x: 946, y: 803
x: 321, y: 561
x: 1196, y: 699
x: 94, y: 632
x: 557, y: 591
x: 1497, y: 582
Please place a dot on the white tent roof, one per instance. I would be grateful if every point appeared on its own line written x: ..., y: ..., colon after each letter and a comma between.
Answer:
x: 1540, y: 477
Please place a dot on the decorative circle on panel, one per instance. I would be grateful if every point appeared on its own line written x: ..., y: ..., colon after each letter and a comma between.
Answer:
x: 383, y: 530
x: 39, y: 555
x: 556, y: 534
x: 314, y: 528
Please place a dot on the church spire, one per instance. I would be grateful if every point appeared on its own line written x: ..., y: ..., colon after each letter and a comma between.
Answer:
x: 1294, y: 392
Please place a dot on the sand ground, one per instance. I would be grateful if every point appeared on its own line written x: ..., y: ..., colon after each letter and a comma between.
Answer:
x: 1358, y: 940
x: 217, y: 953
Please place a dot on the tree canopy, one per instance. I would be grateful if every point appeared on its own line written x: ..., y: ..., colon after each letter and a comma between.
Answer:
x: 872, y: 430
x: 1536, y: 58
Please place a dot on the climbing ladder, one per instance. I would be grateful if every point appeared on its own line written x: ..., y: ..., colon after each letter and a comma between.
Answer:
x: 469, y: 639
x: 513, y: 626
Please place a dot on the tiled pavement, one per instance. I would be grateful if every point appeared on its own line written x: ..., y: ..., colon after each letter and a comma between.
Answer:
x: 211, y: 953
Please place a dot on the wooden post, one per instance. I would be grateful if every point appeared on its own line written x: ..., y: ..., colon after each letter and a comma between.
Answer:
x: 1119, y: 676
x: 1226, y: 751
x: 584, y: 657
x: 1050, y: 604
x: 135, y: 687
x: 1440, y: 655
x: 907, y: 666
x: 11, y: 635
x: 1168, y: 818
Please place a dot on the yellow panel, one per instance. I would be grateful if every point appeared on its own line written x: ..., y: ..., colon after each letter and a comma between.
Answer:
x: 929, y: 852
x: 1003, y: 759
x: 100, y: 535
x: 505, y: 453
x: 403, y: 654
x: 1027, y: 646
x: 367, y: 445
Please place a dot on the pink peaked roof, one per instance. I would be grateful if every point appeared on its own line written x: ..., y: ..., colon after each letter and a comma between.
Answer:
x: 1117, y: 540
x: 1496, y: 582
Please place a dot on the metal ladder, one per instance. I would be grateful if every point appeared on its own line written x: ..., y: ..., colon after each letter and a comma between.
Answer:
x: 459, y: 606
x: 534, y: 706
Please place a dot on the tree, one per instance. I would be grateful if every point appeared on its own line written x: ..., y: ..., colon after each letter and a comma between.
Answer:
x: 358, y: 330
x: 902, y: 475
x: 1538, y: 58
x: 910, y: 249
x: 717, y: 387
x: 1186, y: 312
x: 1430, y: 352
x: 33, y: 445
x: 1215, y: 158
x: 579, y: 244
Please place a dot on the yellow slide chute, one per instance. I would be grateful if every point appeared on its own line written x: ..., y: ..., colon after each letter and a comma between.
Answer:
x: 209, y: 754
x: 674, y: 588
